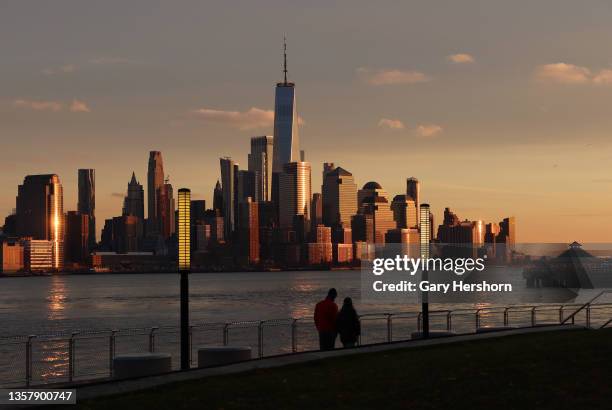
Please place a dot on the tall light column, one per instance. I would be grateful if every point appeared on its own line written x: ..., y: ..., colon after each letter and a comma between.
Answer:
x: 425, y: 239
x: 184, y: 267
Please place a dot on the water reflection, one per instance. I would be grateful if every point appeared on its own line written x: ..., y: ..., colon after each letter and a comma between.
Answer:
x: 56, y: 300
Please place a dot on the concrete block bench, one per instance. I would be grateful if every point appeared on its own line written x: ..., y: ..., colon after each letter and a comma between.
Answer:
x: 220, y: 355
x: 432, y: 334
x: 141, y: 364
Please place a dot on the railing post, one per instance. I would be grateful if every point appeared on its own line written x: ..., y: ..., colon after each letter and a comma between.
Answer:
x: 152, y: 339
x: 71, y: 360
x: 190, y: 344
x: 477, y: 319
x: 225, y: 334
x: 449, y: 321
x: 294, y: 336
x: 260, y: 339
x: 28, y: 364
x: 389, y: 328
x: 506, y: 317
x: 588, y: 317
x: 533, y: 316
x: 419, y: 322
x: 561, y: 314
x: 111, y: 351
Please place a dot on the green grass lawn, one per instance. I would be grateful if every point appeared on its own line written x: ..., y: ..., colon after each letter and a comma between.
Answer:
x: 552, y: 370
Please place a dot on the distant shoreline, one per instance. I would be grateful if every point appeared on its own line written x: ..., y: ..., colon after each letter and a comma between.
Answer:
x: 83, y: 273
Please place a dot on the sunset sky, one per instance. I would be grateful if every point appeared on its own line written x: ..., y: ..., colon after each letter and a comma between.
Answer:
x: 499, y: 107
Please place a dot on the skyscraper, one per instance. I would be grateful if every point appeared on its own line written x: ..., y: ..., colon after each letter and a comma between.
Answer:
x: 155, y: 180
x: 260, y: 161
x: 286, y: 139
x: 413, y: 188
x: 294, y: 193
x: 339, y: 197
x: 218, y: 198
x: 229, y: 171
x: 166, y: 210
x: 77, y: 237
x: 87, y: 201
x: 249, y: 231
x: 316, y: 212
x: 40, y: 213
x: 404, y: 212
x: 133, y: 204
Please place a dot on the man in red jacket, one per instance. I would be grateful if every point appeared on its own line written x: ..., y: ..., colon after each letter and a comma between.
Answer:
x: 325, y: 320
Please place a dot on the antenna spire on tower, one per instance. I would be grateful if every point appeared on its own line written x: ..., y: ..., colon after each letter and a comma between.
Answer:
x: 285, y: 58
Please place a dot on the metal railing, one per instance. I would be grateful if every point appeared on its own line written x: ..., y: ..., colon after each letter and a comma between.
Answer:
x: 88, y: 355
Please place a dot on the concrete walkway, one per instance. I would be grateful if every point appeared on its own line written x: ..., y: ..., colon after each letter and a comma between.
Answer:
x: 124, y: 386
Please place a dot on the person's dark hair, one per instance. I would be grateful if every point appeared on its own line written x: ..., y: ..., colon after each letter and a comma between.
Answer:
x: 332, y: 293
x: 348, y: 302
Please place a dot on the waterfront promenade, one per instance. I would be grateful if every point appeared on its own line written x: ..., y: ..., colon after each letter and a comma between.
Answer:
x: 531, y: 368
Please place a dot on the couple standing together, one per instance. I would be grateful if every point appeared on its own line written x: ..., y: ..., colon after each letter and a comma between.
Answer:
x: 330, y: 322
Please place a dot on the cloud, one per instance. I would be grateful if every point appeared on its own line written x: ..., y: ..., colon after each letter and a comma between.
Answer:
x: 117, y: 195
x: 390, y: 77
x: 109, y: 60
x: 247, y: 120
x: 39, y: 105
x: 54, y: 106
x: 563, y: 73
x: 460, y: 58
x: 604, y: 77
x: 79, y: 106
x: 428, y: 130
x: 65, y: 69
x: 391, y: 124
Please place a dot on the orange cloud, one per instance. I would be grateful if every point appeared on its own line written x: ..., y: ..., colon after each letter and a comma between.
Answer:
x: 391, y: 124
x: 39, y: 105
x: 428, y: 130
x: 461, y: 58
x: 79, y: 106
x: 563, y: 73
x: 390, y: 77
x: 247, y: 120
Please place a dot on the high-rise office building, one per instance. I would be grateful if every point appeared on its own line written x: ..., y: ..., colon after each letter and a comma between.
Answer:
x: 370, y: 189
x: 229, y: 171
x: 286, y: 138
x: 166, y: 210
x: 218, y: 198
x: 413, y: 188
x: 39, y: 255
x: 87, y: 201
x: 77, y: 238
x: 507, y: 232
x: 133, y: 204
x: 339, y: 197
x: 260, y: 161
x: 294, y: 193
x: 316, y: 211
x: 155, y: 180
x: 425, y: 230
x: 249, y: 231
x: 404, y: 212
x: 247, y: 186
x: 40, y: 213
x: 380, y: 210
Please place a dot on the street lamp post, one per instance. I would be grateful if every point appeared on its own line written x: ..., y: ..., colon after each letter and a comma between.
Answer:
x: 425, y: 242
x: 184, y: 267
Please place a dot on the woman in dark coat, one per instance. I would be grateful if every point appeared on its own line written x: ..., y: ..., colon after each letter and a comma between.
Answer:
x: 347, y: 324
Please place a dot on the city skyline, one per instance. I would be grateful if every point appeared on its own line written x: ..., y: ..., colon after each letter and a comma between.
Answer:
x: 488, y: 135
